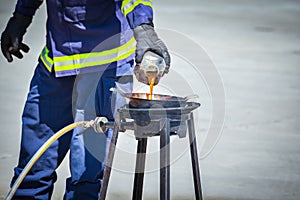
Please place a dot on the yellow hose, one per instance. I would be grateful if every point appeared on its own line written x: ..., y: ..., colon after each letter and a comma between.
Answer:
x: 38, y: 154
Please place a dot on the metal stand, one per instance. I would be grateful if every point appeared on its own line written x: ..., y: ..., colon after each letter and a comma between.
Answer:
x: 163, y: 122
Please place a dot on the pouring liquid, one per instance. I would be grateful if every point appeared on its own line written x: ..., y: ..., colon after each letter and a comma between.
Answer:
x: 151, y: 76
x: 151, y: 83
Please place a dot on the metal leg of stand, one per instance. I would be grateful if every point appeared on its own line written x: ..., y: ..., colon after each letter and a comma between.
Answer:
x: 109, y: 162
x: 165, y: 161
x: 139, y: 169
x: 194, y: 158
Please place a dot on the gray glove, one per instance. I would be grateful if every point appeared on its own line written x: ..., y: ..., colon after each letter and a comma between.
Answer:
x: 12, y: 36
x: 147, y: 40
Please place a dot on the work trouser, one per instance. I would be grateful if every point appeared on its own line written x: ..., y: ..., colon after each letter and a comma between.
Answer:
x: 54, y: 103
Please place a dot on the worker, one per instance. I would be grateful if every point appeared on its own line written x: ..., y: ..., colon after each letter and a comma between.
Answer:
x: 83, y: 38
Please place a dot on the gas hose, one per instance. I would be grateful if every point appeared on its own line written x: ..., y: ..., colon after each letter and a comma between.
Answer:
x: 99, y: 126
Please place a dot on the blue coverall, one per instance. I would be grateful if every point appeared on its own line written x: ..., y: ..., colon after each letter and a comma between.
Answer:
x: 83, y: 36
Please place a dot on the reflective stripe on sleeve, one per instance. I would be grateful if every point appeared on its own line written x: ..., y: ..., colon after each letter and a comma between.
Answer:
x: 129, y: 5
x: 48, y: 62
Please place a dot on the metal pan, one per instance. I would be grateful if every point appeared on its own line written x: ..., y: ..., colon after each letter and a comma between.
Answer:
x: 142, y: 100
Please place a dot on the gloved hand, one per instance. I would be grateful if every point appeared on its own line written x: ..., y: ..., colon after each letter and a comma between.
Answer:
x: 12, y: 36
x: 147, y: 40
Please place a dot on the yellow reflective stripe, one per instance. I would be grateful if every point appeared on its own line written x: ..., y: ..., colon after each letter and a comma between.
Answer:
x: 129, y: 5
x: 77, y: 61
x: 47, y: 56
x: 45, y: 64
x: 94, y: 63
x: 95, y: 54
x: 48, y: 62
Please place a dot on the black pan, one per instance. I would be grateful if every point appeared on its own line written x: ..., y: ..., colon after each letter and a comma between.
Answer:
x: 143, y: 100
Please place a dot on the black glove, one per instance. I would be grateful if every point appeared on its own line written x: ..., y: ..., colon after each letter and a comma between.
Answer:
x: 12, y: 36
x: 147, y: 40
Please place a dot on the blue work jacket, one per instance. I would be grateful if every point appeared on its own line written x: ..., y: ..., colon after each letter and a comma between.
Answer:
x: 88, y: 35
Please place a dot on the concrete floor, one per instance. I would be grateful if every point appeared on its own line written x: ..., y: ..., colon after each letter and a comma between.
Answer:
x: 254, y: 45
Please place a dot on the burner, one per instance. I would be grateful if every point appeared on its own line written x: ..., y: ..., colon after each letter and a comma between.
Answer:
x: 149, y: 119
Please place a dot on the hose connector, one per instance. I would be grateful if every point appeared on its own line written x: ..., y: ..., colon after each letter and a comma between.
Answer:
x: 99, y: 124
